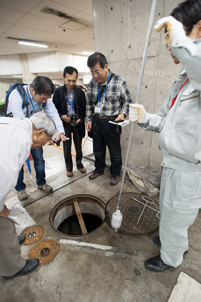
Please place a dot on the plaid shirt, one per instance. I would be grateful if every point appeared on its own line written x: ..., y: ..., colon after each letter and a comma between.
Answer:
x: 115, y: 100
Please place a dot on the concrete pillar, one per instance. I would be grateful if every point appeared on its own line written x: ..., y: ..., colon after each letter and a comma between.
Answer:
x: 120, y: 29
x: 27, y: 77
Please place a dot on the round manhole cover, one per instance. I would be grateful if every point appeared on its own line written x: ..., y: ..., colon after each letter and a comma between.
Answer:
x: 140, y: 213
x: 45, y: 251
x: 33, y: 234
x: 78, y: 215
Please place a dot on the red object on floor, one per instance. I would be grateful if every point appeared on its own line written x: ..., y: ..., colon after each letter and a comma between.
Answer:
x: 30, y: 157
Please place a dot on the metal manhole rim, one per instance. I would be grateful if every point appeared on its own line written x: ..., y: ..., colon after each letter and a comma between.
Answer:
x: 71, y: 197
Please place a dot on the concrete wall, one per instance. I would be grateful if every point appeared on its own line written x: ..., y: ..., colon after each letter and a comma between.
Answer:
x: 4, y: 85
x: 120, y: 29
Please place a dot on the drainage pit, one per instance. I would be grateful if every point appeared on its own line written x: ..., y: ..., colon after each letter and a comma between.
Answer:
x: 78, y: 215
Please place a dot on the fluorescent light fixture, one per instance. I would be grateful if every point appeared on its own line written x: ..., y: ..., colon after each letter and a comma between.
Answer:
x: 17, y: 76
x: 32, y: 44
x: 86, y: 53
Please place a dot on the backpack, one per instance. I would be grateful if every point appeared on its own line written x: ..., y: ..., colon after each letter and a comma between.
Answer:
x: 21, y: 90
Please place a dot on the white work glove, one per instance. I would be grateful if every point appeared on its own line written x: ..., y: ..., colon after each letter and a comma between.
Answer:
x: 175, y: 30
x: 137, y: 113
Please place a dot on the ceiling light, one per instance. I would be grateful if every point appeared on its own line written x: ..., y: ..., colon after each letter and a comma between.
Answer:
x: 32, y: 44
x: 86, y: 53
x: 17, y: 76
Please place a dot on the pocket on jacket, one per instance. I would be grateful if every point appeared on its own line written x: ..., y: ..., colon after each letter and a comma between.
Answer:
x: 186, y: 190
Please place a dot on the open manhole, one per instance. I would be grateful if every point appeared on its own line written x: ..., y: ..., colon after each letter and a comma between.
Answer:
x: 78, y: 215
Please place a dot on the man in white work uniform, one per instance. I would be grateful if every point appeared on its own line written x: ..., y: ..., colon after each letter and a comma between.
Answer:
x: 18, y: 137
x: 179, y: 124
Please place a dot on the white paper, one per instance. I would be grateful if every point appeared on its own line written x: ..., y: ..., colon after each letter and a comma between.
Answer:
x: 122, y: 124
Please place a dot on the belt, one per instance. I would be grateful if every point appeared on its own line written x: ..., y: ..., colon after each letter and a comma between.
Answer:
x: 105, y: 117
x: 180, y: 164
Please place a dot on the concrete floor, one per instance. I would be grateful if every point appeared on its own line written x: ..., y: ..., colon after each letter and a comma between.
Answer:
x: 85, y: 274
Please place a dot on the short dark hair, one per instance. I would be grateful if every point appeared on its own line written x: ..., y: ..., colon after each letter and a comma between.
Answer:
x: 188, y: 13
x: 96, y: 58
x: 43, y: 85
x: 69, y: 70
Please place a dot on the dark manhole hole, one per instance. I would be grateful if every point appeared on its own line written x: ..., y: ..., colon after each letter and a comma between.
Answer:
x: 78, y: 215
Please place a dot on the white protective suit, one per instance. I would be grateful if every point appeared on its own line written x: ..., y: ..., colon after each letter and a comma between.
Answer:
x: 16, y: 142
x: 180, y: 142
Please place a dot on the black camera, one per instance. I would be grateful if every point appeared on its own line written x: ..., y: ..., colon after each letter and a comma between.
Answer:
x: 73, y: 118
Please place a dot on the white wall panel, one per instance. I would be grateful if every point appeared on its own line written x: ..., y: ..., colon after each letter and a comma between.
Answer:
x: 43, y: 62
x: 10, y: 65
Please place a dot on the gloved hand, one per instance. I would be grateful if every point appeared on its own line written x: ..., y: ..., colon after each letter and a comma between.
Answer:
x: 175, y: 30
x: 137, y: 113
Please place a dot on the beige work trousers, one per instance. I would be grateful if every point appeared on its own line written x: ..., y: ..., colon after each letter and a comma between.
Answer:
x: 180, y: 199
x: 11, y: 261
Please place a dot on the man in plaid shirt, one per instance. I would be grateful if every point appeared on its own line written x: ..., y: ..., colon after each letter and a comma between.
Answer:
x: 108, y: 99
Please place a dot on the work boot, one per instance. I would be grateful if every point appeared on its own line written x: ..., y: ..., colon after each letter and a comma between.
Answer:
x: 69, y: 173
x: 82, y: 170
x: 46, y: 188
x: 22, y: 195
x: 29, y: 267
x: 21, y: 239
x: 114, y: 180
x: 157, y: 241
x: 156, y: 264
x: 94, y: 175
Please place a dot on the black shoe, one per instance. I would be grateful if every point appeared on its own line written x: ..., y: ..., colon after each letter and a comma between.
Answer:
x: 156, y: 264
x: 29, y: 267
x: 21, y: 239
x: 157, y: 241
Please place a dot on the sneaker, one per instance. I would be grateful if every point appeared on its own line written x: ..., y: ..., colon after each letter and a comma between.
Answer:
x: 114, y: 180
x: 21, y: 239
x: 94, y: 175
x: 22, y: 195
x: 29, y: 267
x: 46, y: 188
x: 82, y: 170
x: 69, y: 173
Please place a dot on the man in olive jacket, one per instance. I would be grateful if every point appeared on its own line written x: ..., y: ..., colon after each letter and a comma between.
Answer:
x: 71, y: 105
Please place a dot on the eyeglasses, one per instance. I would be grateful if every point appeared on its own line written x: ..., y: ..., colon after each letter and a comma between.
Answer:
x: 98, y: 72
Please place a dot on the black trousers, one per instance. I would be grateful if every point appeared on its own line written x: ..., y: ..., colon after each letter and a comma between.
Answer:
x: 106, y: 134
x: 74, y: 130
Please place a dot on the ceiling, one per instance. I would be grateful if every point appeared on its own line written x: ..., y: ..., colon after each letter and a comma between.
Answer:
x: 69, y: 29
